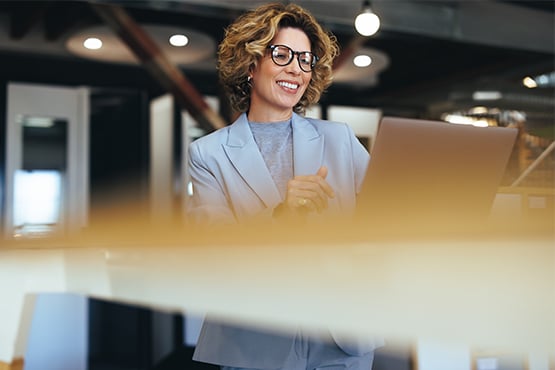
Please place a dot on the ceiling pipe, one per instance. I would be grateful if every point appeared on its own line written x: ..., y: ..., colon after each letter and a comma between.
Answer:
x: 152, y: 57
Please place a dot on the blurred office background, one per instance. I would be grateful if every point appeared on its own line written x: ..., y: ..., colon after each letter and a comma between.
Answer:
x: 90, y: 129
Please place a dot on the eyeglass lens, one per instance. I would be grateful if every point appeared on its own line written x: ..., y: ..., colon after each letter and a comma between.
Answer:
x: 283, y: 55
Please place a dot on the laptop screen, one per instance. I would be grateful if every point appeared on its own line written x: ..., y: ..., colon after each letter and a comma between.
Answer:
x: 432, y: 175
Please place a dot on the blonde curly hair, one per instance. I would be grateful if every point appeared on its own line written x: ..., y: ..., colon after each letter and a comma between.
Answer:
x: 246, y: 41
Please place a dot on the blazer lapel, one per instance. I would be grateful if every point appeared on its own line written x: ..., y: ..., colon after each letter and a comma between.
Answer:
x: 245, y: 156
x: 308, y: 147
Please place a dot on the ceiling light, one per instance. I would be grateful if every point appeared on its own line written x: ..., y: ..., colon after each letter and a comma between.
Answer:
x: 362, y: 61
x: 198, y: 53
x: 529, y: 82
x: 92, y: 43
x: 458, y: 119
x: 486, y: 95
x: 546, y: 80
x: 179, y: 40
x: 354, y: 72
x: 367, y: 23
x: 543, y: 80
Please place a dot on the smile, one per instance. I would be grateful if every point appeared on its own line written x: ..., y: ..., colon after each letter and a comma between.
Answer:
x: 288, y: 85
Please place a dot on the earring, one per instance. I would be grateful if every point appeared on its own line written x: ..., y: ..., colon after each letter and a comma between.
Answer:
x: 249, y: 78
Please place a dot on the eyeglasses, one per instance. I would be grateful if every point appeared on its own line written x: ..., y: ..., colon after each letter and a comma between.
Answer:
x: 283, y: 55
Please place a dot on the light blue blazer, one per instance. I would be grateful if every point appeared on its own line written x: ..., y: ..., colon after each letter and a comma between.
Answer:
x: 231, y: 183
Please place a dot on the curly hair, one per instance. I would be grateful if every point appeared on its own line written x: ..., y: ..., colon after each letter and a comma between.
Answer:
x: 246, y: 41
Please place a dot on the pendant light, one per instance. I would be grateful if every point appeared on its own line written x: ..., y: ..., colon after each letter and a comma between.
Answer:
x: 367, y: 22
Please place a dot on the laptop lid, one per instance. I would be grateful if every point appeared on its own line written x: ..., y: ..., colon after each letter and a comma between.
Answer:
x: 430, y: 175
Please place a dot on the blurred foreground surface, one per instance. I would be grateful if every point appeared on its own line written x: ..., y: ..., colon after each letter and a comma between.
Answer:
x: 491, y: 286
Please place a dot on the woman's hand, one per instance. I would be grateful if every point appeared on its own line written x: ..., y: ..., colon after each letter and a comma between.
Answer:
x: 309, y: 192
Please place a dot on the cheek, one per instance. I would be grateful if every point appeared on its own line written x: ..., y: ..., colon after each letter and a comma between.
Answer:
x: 268, y: 69
x: 307, y: 81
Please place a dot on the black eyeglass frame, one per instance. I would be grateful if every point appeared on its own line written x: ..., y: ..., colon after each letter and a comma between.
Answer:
x: 292, y: 54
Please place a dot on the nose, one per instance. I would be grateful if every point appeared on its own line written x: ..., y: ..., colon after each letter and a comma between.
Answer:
x: 294, y: 66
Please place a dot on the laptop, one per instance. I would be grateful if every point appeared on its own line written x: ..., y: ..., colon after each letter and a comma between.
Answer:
x: 431, y: 176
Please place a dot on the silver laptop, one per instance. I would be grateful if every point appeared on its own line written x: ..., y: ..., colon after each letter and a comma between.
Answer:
x: 432, y: 176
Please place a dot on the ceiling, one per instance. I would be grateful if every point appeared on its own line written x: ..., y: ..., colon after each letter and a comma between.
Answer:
x: 432, y: 56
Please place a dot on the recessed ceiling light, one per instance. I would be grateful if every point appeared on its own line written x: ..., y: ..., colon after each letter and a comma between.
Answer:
x: 179, y: 40
x: 362, y: 61
x: 92, y: 43
x: 364, y: 69
x: 200, y: 46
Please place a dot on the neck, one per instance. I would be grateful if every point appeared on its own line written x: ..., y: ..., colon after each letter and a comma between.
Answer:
x: 255, y: 115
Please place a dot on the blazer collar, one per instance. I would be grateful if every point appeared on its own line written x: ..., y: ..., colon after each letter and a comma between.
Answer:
x: 245, y: 156
x: 243, y: 152
x: 308, y: 147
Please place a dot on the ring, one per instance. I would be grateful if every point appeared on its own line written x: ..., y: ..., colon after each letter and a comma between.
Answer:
x: 302, y: 202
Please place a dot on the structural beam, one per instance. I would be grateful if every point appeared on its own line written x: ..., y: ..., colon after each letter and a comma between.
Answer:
x: 152, y: 57
x: 24, y: 18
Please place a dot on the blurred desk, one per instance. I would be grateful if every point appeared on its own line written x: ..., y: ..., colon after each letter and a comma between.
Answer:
x: 492, y: 292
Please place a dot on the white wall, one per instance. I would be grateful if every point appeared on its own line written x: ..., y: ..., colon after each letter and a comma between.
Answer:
x: 363, y: 121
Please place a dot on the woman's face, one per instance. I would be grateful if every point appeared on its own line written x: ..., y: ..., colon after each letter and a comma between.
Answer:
x: 277, y: 89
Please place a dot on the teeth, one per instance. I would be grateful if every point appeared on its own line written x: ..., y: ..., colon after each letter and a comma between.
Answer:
x: 288, y: 85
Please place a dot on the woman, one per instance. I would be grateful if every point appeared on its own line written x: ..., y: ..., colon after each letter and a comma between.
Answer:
x: 272, y: 162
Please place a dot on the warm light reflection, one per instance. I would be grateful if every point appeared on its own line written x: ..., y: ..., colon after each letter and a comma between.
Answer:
x: 92, y: 43
x: 529, y: 82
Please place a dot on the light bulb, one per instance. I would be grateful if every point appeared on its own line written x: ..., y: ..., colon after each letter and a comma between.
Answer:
x: 367, y: 23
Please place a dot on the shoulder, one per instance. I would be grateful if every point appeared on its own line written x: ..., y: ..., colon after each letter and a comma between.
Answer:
x: 212, y: 139
x: 325, y: 124
x: 219, y: 137
x: 209, y: 148
x: 237, y: 134
x: 330, y: 128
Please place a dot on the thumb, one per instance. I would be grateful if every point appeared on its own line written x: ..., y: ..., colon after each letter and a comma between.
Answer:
x: 322, y: 172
